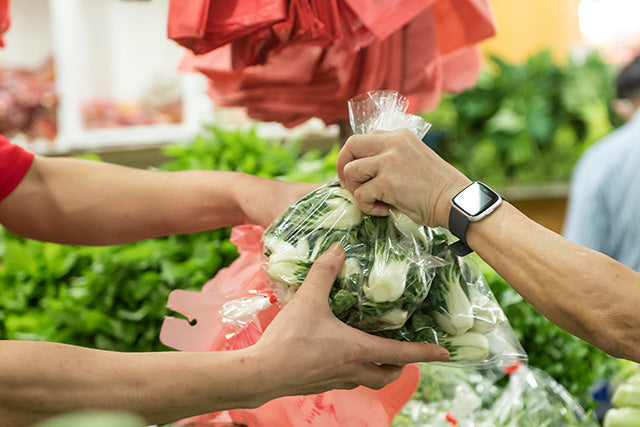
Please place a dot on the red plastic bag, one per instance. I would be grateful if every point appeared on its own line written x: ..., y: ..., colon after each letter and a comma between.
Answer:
x: 358, y: 407
x: 204, y: 25
x: 5, y: 19
x: 326, y: 52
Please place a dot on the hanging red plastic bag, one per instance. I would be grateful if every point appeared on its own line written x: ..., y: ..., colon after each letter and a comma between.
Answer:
x: 245, y: 280
x: 204, y: 25
x: 5, y: 19
x: 325, y: 53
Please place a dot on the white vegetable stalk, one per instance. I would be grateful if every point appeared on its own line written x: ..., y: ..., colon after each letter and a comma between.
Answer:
x: 281, y: 250
x: 407, y: 227
x: 487, y: 314
x: 627, y: 395
x: 351, y: 266
x: 394, y: 319
x: 458, y: 317
x: 344, y: 212
x: 471, y: 346
x: 622, y: 417
x: 283, y: 272
x: 387, y: 279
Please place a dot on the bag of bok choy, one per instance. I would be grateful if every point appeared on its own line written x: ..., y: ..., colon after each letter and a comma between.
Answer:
x: 399, y: 280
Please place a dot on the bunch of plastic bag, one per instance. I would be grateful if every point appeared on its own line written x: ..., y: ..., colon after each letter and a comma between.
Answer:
x: 399, y: 280
x: 468, y: 398
x: 291, y: 60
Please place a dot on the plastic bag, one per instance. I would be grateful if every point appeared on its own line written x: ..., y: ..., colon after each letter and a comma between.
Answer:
x: 448, y: 396
x: 227, y: 314
x: 399, y: 279
x: 387, y: 270
x: 472, y: 398
x: 323, y: 52
x: 533, y: 398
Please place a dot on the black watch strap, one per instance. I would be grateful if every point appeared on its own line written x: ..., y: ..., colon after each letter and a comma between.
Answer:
x: 458, y: 224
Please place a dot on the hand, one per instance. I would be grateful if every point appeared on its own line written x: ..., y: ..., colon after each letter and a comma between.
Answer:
x: 398, y: 169
x: 262, y: 200
x: 308, y: 350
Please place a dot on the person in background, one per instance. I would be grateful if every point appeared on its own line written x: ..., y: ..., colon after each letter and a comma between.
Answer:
x: 583, y: 291
x: 73, y: 201
x: 604, y: 200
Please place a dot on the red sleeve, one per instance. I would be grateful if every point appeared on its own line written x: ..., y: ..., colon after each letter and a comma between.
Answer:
x: 14, y: 163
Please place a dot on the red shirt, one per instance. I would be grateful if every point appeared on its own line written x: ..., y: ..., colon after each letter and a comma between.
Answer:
x: 14, y: 163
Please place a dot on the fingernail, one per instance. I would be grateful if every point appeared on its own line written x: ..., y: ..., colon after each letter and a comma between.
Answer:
x: 336, y: 249
x: 443, y: 355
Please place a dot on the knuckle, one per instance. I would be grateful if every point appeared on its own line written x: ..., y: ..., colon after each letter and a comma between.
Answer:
x: 324, y: 267
x: 350, y: 170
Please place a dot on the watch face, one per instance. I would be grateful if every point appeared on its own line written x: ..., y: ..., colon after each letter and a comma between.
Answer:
x: 475, y: 199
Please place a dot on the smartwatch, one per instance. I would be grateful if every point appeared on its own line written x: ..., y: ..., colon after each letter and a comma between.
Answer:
x: 471, y: 204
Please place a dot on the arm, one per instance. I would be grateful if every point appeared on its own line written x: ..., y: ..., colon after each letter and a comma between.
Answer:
x: 583, y: 291
x: 39, y: 379
x: 94, y: 203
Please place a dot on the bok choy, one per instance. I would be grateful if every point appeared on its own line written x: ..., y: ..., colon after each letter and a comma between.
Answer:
x: 399, y: 280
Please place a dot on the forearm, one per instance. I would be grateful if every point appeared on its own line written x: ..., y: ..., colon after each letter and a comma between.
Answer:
x: 80, y: 202
x: 583, y: 291
x: 38, y: 380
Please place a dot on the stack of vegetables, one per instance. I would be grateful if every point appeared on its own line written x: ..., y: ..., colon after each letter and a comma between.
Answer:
x: 626, y: 400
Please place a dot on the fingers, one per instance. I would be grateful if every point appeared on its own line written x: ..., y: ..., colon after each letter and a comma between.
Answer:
x: 359, y: 171
x: 357, y: 147
x: 324, y: 271
x: 399, y: 353
x: 376, y: 377
x: 370, y: 199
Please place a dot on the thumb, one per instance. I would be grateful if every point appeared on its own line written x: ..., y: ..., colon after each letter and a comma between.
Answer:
x: 324, y: 271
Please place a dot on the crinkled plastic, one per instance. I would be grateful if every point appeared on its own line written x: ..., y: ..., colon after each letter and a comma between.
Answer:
x: 449, y: 396
x: 384, y: 110
x: 471, y: 398
x: 533, y: 398
x: 327, y: 51
x: 227, y: 315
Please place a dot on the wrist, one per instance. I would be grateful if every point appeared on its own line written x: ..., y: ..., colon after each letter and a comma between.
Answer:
x: 443, y: 204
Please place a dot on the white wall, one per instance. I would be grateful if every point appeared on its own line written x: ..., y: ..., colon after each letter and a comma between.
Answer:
x: 28, y: 41
x: 121, y: 47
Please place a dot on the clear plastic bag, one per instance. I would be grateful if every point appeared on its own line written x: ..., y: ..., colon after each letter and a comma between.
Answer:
x: 387, y: 269
x: 473, y: 398
x: 461, y: 314
x: 399, y: 279
x: 532, y: 398
x: 384, y: 110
